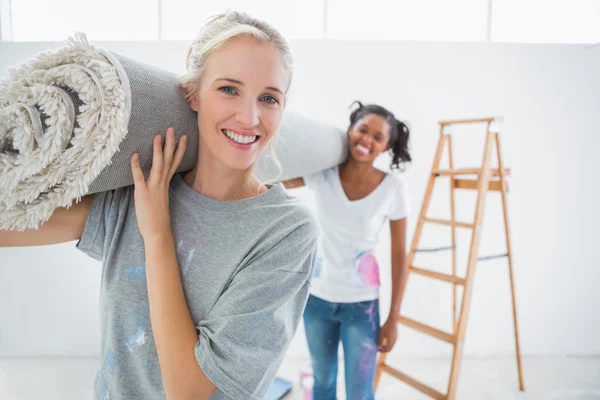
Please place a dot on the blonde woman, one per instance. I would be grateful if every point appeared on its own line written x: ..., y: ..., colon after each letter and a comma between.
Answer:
x: 205, y: 275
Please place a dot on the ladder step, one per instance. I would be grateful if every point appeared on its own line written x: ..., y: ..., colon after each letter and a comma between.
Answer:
x: 468, y: 171
x: 469, y: 121
x: 437, y: 275
x: 427, y: 329
x: 484, y: 258
x: 413, y: 382
x: 433, y: 249
x: 450, y: 223
x: 473, y: 184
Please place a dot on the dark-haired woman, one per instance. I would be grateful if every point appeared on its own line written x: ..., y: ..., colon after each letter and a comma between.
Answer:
x: 354, y: 201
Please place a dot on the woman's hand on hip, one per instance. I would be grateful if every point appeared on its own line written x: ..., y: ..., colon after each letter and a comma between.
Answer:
x: 152, y: 196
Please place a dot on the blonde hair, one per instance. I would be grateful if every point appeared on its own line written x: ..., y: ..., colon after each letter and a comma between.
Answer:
x: 219, y: 30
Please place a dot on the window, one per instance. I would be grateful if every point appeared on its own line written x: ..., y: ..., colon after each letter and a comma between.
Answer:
x: 294, y: 19
x: 55, y: 20
x: 520, y: 21
x: 546, y: 21
x: 439, y: 20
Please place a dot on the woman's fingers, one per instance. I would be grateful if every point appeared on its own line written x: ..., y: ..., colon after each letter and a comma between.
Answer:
x: 157, y: 159
x: 136, y: 171
x: 383, y: 344
x: 168, y: 150
x: 165, y: 161
x: 178, y: 157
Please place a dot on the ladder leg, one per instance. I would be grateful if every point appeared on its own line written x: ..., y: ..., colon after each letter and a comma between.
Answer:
x: 379, y: 371
x: 453, y: 219
x: 510, y: 263
x: 417, y: 235
x: 427, y: 199
x: 483, y: 185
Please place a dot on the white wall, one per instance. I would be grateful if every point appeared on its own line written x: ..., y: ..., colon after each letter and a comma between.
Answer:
x: 550, y: 97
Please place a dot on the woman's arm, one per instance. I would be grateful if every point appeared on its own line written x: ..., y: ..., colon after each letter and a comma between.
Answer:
x: 172, y: 325
x: 64, y: 225
x: 293, y: 183
x: 389, y: 331
x: 174, y: 331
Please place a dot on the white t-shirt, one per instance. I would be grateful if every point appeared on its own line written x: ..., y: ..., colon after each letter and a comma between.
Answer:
x: 346, y: 269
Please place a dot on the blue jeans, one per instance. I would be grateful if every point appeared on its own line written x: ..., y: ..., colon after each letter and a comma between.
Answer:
x: 357, y: 325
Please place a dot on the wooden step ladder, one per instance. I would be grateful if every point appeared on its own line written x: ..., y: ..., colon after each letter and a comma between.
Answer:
x: 482, y: 185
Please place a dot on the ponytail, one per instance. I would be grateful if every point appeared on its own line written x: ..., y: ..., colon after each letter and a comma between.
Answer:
x: 399, y: 146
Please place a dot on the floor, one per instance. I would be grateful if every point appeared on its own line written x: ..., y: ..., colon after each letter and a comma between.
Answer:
x: 564, y: 378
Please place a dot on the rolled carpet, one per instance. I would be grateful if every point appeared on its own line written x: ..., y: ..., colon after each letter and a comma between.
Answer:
x: 71, y: 118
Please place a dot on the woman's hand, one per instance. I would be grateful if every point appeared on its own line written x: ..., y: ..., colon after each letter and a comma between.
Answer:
x: 388, y: 336
x: 152, y: 196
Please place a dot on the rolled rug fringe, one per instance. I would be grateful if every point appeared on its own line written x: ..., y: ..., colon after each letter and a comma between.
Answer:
x: 62, y: 118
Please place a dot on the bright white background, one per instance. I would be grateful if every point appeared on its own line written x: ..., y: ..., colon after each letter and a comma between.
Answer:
x: 516, y: 21
x: 534, y: 62
x: 550, y: 97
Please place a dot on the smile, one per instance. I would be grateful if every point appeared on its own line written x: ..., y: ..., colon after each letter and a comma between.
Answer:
x: 240, y: 139
x: 362, y: 149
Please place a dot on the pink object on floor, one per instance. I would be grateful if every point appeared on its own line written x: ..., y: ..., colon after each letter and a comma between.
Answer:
x: 306, y: 382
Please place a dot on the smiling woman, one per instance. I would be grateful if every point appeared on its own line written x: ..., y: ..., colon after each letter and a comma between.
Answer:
x: 239, y: 71
x: 354, y: 201
x: 191, y: 261
x: 239, y: 91
x: 242, y: 90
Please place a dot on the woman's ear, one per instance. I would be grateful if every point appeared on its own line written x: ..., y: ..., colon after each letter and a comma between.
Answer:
x: 194, y: 103
x: 194, y: 100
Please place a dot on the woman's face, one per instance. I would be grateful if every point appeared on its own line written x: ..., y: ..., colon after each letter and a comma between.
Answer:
x: 240, y: 101
x: 368, y: 138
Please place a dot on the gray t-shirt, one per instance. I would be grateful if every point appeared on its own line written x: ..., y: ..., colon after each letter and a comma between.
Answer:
x: 246, y: 267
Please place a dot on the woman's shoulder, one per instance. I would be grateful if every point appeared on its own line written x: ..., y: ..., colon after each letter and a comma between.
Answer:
x: 288, y: 230
x: 293, y: 210
x: 398, y: 181
x: 288, y: 219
